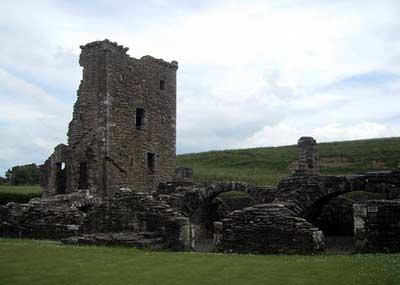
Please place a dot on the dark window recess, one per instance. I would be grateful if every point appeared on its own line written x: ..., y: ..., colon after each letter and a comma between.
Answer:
x: 61, y: 178
x: 80, y: 116
x: 131, y: 161
x: 151, y: 162
x: 83, y: 176
x: 139, y: 118
x: 162, y: 85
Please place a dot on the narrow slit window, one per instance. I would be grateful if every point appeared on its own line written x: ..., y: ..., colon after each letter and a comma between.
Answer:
x: 83, y: 176
x: 139, y: 118
x: 61, y: 179
x: 162, y: 84
x: 151, y: 162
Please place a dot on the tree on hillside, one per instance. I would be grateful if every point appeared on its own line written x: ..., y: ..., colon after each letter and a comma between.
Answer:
x: 23, y: 175
x: 3, y: 181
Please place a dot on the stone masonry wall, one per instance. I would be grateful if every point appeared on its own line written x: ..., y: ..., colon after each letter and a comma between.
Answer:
x: 53, y: 177
x: 140, y: 157
x: 138, y: 212
x: 266, y: 228
x: 123, y: 130
x: 308, y: 163
x: 377, y: 226
x: 40, y: 218
x: 125, y: 216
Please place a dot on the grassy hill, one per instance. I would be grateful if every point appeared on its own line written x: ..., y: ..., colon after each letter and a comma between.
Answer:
x: 267, y: 166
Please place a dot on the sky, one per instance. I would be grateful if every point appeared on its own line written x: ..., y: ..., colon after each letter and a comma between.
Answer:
x: 251, y: 73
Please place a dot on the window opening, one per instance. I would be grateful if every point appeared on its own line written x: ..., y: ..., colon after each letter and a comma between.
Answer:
x: 151, y: 162
x: 162, y: 85
x: 83, y: 176
x: 139, y: 118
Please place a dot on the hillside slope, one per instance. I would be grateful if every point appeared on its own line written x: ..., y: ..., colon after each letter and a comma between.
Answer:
x: 267, y: 166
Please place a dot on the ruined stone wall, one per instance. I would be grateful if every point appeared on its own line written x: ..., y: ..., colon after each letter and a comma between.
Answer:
x: 123, y: 130
x: 53, y: 176
x: 266, y: 228
x: 183, y: 174
x: 306, y: 195
x: 138, y: 212
x: 39, y: 220
x: 126, y: 218
x: 377, y: 226
x: 308, y: 163
x: 87, y: 130
x: 140, y: 156
x: 187, y: 197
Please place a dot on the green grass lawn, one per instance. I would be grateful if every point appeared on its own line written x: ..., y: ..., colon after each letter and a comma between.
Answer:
x: 45, y: 262
x: 20, y: 194
x: 267, y: 166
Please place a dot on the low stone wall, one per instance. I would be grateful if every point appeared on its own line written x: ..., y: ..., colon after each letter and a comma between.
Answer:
x: 36, y: 220
x: 266, y: 228
x: 134, y: 216
x: 183, y: 174
x: 377, y: 226
x: 138, y: 212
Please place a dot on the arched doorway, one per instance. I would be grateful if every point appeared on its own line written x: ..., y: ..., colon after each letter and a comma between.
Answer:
x: 334, y: 216
x: 214, y: 207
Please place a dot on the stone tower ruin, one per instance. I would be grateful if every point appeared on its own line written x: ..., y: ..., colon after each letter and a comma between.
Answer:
x: 123, y: 129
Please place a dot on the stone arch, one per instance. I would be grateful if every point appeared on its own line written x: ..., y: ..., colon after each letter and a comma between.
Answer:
x: 191, y: 198
x: 195, y: 202
x: 307, y: 195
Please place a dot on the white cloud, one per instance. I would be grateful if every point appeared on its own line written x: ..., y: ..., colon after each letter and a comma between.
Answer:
x: 362, y: 130
x: 32, y: 122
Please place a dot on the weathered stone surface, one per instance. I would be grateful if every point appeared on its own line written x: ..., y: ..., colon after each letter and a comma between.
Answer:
x: 308, y: 163
x: 187, y: 197
x: 48, y: 220
x: 269, y: 228
x: 136, y: 212
x: 183, y: 174
x: 306, y: 195
x: 377, y: 226
x: 72, y: 215
x: 53, y: 172
x: 123, y: 129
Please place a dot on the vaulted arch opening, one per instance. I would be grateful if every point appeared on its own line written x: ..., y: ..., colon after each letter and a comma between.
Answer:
x: 208, y: 210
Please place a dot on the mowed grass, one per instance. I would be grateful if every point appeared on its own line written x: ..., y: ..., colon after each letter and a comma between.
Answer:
x: 20, y: 194
x: 267, y: 166
x: 47, y: 262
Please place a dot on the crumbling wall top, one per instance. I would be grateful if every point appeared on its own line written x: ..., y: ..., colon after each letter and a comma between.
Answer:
x: 105, y: 44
